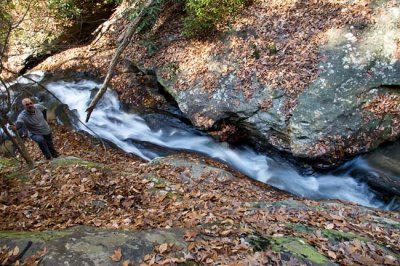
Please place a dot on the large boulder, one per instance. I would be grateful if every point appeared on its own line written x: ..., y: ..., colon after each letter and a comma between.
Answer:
x: 336, y: 114
x: 350, y: 106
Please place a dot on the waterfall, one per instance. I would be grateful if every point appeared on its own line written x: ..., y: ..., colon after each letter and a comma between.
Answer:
x: 111, y: 122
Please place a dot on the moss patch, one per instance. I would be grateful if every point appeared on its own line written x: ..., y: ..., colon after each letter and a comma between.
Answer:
x: 44, y: 236
x: 73, y: 161
x: 7, y: 162
x: 17, y: 175
x: 341, y: 236
x: 158, y: 181
x: 333, y: 235
x: 259, y: 243
x: 298, y: 247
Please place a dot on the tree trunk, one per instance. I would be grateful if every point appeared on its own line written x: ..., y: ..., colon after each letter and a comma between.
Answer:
x: 17, y: 141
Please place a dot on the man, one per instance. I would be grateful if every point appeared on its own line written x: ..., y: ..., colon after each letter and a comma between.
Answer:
x: 34, y: 117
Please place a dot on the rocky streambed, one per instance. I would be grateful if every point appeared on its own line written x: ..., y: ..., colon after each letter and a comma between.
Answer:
x: 151, y: 134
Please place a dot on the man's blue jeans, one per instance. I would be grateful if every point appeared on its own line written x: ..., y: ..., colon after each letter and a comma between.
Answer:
x: 46, y: 145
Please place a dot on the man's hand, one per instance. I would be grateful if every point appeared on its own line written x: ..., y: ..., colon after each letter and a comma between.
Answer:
x: 13, y: 127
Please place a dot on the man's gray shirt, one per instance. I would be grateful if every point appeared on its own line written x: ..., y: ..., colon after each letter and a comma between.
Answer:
x: 35, y: 122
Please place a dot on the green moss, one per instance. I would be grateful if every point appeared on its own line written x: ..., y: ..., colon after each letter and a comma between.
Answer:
x: 174, y: 194
x: 259, y: 243
x: 44, y: 236
x: 7, y: 162
x: 17, y: 175
x: 333, y: 235
x: 341, y: 236
x: 158, y: 181
x: 298, y: 247
x: 301, y: 228
x: 74, y: 161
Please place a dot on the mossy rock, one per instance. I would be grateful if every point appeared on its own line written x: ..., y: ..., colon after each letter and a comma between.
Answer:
x: 17, y: 175
x: 331, y: 234
x: 299, y: 248
x: 259, y: 243
x: 9, y: 168
x: 34, y: 236
x: 336, y: 235
x: 70, y: 160
x: 158, y: 181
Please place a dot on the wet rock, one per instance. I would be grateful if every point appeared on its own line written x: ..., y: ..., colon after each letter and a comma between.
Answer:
x: 380, y: 169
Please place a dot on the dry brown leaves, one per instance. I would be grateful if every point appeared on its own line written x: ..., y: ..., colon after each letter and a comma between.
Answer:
x: 281, y: 51
x: 125, y: 193
x: 384, y: 104
x: 10, y: 256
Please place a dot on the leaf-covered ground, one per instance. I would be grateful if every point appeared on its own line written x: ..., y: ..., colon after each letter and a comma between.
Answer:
x: 276, y: 42
x: 228, y: 218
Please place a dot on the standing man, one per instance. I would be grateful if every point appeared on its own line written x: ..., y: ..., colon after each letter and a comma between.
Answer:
x: 34, y: 117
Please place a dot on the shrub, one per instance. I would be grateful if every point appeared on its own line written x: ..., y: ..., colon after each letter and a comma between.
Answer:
x: 204, y: 15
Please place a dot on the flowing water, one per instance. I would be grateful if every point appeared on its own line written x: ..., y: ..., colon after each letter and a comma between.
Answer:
x: 109, y: 121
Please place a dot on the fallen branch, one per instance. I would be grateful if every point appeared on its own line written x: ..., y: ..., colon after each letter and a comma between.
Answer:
x: 127, y: 37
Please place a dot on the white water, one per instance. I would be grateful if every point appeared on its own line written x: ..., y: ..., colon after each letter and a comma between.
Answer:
x: 109, y: 122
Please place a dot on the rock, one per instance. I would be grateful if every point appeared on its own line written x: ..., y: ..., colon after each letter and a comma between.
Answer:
x: 195, y: 169
x: 381, y: 168
x: 332, y: 113
x: 333, y: 117
x: 83, y: 245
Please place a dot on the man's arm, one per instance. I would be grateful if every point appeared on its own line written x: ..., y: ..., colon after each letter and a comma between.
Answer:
x: 43, y: 109
x: 18, y: 124
x: 45, y: 114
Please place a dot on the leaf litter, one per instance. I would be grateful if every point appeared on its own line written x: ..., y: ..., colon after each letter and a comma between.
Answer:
x: 218, y: 217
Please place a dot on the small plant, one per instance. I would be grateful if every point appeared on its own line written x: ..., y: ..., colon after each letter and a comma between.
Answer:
x: 205, y: 15
x: 256, y: 51
x: 149, y: 18
x: 65, y: 8
x: 173, y: 67
x: 272, y: 49
x: 150, y: 46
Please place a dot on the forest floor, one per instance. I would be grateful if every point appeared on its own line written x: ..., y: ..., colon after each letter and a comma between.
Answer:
x: 225, y: 215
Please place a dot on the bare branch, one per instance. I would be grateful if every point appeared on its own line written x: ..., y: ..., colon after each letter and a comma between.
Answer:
x: 127, y: 37
x: 17, y: 141
x: 8, y: 97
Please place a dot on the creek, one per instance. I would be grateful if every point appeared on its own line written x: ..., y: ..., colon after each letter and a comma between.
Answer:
x: 133, y: 133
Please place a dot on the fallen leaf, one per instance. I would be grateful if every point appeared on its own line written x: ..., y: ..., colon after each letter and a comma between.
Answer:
x: 15, y: 251
x: 117, y: 255
x: 126, y: 263
x: 329, y: 226
x: 332, y: 254
x: 189, y: 235
x: 226, y: 232
x: 163, y: 248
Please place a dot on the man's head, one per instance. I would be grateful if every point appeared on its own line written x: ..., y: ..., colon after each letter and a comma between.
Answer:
x: 28, y: 104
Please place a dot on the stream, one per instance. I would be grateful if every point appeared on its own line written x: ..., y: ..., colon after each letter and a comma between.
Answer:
x: 127, y: 130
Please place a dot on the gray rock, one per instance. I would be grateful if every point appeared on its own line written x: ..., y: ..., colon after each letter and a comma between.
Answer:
x: 359, y: 67
x: 195, y: 169
x: 84, y: 245
x: 330, y: 120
